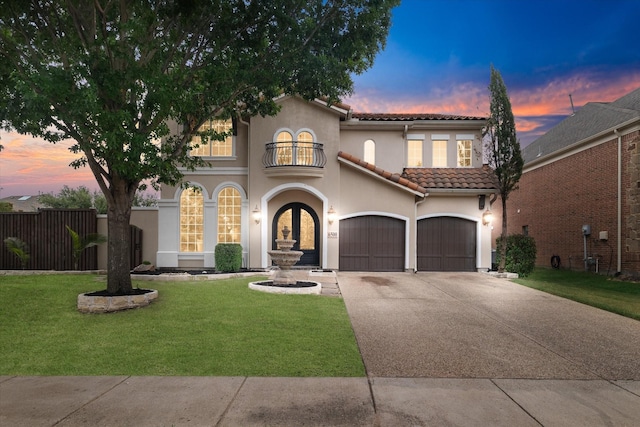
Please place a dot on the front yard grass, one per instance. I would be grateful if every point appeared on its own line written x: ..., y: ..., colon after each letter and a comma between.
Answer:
x: 194, y: 328
x: 621, y: 297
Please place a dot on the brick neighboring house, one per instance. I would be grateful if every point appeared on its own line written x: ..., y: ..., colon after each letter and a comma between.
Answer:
x: 584, y: 172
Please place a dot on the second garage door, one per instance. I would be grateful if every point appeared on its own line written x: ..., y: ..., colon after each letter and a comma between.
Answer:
x: 446, y: 244
x: 372, y: 243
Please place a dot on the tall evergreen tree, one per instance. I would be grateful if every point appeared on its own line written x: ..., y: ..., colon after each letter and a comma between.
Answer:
x: 502, y: 150
x: 111, y: 75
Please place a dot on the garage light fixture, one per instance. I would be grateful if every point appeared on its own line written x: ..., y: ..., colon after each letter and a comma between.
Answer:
x: 331, y: 215
x: 487, y: 217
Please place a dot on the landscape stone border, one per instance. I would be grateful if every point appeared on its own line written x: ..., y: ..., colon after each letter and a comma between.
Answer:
x: 109, y: 304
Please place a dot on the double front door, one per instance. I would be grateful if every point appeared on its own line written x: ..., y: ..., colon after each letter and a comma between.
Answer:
x: 303, y: 222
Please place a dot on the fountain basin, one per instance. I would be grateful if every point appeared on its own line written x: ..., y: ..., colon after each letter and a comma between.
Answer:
x: 297, y: 288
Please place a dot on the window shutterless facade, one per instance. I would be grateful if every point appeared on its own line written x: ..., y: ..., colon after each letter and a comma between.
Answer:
x: 191, y: 220
x: 209, y: 147
x: 229, y: 215
x: 465, y: 158
x: 414, y: 153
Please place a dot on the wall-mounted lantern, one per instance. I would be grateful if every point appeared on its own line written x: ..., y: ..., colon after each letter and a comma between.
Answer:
x: 331, y: 215
x: 257, y: 215
x: 487, y: 217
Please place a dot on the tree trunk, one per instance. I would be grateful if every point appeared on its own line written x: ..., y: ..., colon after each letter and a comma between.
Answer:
x: 119, y: 241
x: 502, y: 246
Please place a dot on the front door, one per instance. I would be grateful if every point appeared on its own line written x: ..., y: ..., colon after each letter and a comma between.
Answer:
x: 304, y: 225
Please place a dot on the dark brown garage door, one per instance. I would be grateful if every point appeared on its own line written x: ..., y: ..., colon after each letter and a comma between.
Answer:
x: 372, y: 243
x: 446, y: 244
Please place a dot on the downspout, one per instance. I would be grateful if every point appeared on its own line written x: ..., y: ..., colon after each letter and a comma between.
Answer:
x: 248, y: 228
x: 415, y: 232
x: 619, y: 231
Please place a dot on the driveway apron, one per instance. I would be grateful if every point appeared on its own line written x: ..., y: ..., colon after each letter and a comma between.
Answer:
x: 472, y: 325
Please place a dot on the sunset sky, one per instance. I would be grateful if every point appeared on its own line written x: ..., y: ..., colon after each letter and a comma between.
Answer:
x: 437, y: 60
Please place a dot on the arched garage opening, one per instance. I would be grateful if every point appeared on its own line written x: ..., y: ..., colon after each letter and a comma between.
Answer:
x: 446, y: 244
x: 372, y: 243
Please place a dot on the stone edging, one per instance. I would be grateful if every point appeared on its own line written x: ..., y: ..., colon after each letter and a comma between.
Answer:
x: 109, y: 304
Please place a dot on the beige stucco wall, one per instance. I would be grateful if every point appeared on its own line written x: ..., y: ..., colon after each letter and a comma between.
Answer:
x: 144, y: 218
x: 390, y: 151
x: 270, y: 192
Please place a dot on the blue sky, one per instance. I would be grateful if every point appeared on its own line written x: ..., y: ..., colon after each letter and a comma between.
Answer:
x: 439, y: 53
x: 437, y: 60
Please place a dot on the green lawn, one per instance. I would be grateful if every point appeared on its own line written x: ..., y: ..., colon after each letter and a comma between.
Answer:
x: 592, y: 289
x: 193, y: 328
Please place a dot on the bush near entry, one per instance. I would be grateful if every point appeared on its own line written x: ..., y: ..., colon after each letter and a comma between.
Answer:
x: 228, y: 257
x: 521, y: 254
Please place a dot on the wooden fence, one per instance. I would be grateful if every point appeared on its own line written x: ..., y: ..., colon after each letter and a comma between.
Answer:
x: 50, y: 245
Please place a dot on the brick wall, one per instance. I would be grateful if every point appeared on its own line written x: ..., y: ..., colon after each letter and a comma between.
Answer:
x: 554, y: 201
x: 631, y: 203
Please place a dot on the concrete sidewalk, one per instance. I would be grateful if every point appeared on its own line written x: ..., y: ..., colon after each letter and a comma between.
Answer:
x: 239, y: 401
x: 439, y: 349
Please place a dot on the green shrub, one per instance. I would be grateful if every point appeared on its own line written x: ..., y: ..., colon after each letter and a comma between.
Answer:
x: 521, y: 254
x: 228, y: 257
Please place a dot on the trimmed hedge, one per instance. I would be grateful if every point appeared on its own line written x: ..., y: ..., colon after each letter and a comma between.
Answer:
x: 228, y: 257
x: 521, y: 254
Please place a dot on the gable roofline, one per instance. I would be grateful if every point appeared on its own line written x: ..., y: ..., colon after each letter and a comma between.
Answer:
x: 593, y: 121
x: 378, y: 173
x: 583, y: 144
x: 343, y: 110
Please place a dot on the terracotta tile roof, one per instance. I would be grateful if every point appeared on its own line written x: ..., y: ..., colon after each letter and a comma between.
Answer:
x: 452, y: 178
x: 410, y: 117
x: 393, y: 177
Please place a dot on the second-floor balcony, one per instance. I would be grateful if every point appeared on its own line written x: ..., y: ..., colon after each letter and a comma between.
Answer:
x: 294, y: 158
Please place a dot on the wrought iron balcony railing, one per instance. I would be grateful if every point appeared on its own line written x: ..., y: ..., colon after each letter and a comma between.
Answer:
x: 294, y: 153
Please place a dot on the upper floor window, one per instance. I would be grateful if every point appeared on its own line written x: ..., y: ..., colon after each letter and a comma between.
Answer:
x: 439, y: 153
x: 304, y: 149
x: 209, y: 147
x: 284, y: 150
x: 464, y: 152
x: 191, y: 220
x: 370, y: 151
x: 414, y: 153
x: 229, y: 215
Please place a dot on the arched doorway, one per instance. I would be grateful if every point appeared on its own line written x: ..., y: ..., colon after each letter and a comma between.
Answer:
x: 303, y: 222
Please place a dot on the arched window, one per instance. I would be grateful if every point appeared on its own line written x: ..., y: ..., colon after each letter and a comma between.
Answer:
x: 191, y: 220
x: 370, y: 151
x: 284, y: 151
x: 229, y: 215
x: 304, y: 148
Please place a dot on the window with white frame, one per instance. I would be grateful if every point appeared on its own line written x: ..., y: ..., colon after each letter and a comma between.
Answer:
x: 284, y: 149
x: 370, y: 151
x: 414, y: 153
x: 304, y: 149
x: 210, y: 147
x: 229, y: 215
x: 439, y: 155
x: 191, y: 220
x: 465, y: 153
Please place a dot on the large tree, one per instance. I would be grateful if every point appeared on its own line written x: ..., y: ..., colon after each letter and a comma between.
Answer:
x: 112, y: 75
x: 502, y: 150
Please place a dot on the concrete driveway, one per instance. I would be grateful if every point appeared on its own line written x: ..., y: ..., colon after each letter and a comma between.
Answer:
x: 472, y: 325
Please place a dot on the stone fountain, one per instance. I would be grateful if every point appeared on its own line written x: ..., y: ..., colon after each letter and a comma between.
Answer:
x: 283, y: 282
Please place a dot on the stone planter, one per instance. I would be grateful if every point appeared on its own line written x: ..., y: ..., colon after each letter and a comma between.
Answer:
x: 88, y: 303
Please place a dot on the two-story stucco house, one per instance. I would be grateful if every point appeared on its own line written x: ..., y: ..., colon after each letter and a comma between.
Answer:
x: 365, y: 192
